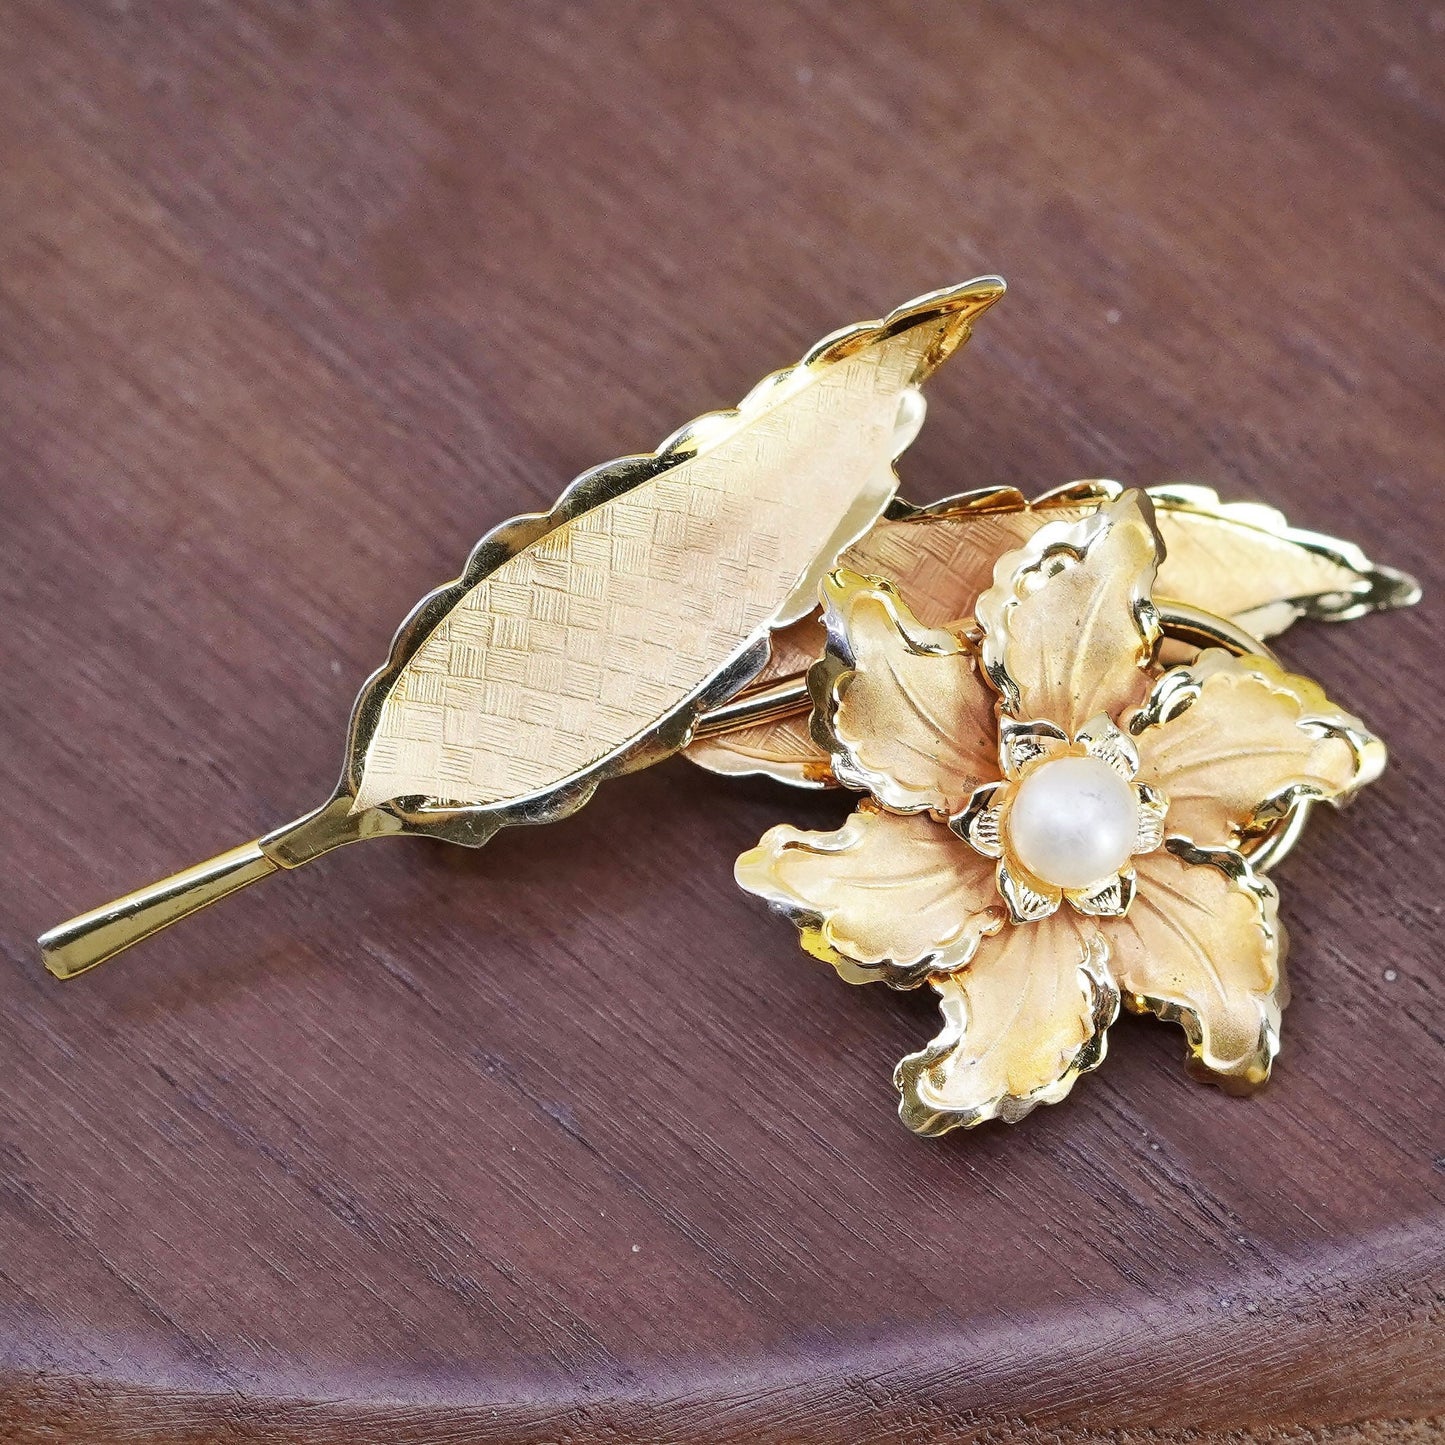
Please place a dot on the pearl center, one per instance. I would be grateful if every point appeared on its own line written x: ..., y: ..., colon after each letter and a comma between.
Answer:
x: 1073, y: 821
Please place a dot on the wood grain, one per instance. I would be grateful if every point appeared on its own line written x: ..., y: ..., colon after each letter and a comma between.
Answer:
x: 564, y: 1140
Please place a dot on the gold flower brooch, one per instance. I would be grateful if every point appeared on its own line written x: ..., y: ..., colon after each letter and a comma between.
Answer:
x: 1077, y: 755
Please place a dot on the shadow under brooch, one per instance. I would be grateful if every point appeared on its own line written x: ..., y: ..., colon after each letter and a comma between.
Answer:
x: 1055, y: 821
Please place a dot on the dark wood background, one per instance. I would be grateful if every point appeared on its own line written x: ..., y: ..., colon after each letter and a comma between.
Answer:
x: 565, y: 1140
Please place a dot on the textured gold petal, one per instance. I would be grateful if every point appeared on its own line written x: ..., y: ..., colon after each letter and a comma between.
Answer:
x: 1028, y: 900
x: 887, y: 896
x: 980, y: 824
x: 1153, y: 814
x: 1233, y: 742
x: 1022, y: 743
x: 1108, y: 898
x: 901, y: 707
x: 1068, y: 626
x: 1021, y: 1022
x: 1110, y: 744
x: 1202, y: 946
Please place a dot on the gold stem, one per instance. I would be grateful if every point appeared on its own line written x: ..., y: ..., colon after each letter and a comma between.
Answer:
x: 762, y: 704
x: 73, y: 947
x: 96, y: 936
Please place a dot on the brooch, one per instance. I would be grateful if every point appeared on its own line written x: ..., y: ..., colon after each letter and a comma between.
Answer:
x: 1077, y: 754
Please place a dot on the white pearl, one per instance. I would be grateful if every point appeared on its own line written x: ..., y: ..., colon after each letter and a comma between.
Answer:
x: 1073, y: 821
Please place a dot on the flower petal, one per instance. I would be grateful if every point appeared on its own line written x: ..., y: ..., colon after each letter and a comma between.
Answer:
x: 1232, y: 742
x: 1022, y: 743
x: 1111, y: 745
x: 980, y: 825
x: 1108, y: 898
x: 887, y: 896
x: 1021, y: 1022
x: 1153, y: 810
x: 1069, y: 627
x: 1028, y: 899
x: 1202, y: 947
x: 901, y: 707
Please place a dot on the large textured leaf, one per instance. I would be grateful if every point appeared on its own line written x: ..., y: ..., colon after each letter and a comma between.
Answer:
x: 1237, y: 559
x: 584, y: 642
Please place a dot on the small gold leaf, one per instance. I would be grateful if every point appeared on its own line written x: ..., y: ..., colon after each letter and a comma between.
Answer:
x: 887, y: 896
x: 1021, y: 1022
x: 1243, y: 560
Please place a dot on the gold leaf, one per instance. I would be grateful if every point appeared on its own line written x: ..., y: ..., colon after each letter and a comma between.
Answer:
x: 1233, y: 743
x: 1069, y: 625
x: 1202, y: 946
x: 887, y: 896
x: 1244, y: 561
x: 940, y: 560
x: 1021, y: 1023
x: 584, y: 642
x: 901, y: 708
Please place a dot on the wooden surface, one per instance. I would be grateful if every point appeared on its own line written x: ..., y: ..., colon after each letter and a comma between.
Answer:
x: 565, y: 1140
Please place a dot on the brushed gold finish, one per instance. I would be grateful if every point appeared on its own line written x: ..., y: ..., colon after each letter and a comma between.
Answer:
x: 941, y: 901
x: 668, y: 599
x: 1224, y: 752
x: 883, y: 676
x: 1017, y: 1034
x: 587, y: 642
x: 1069, y: 625
x: 1301, y: 745
x: 1203, y: 947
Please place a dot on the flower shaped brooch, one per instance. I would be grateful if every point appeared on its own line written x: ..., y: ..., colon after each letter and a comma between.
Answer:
x: 1055, y: 822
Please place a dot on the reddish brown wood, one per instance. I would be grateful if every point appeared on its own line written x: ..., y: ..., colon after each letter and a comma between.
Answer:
x: 564, y: 1140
